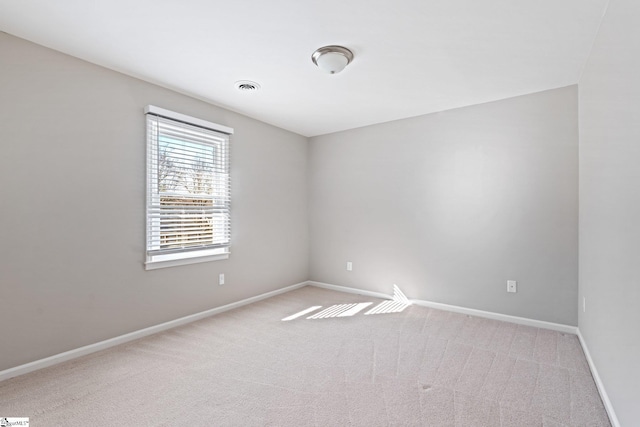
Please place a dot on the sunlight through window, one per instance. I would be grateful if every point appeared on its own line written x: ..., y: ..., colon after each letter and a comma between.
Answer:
x: 390, y: 306
x: 302, y: 313
x: 397, y: 304
x: 332, y: 311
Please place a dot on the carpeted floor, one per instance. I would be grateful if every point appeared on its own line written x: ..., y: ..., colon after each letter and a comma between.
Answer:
x: 247, y: 367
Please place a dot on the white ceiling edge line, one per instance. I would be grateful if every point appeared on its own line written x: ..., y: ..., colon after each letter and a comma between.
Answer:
x: 218, y: 104
x: 593, y: 42
x: 443, y: 111
x: 158, y: 83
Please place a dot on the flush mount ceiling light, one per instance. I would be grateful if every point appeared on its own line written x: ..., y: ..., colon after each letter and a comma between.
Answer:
x: 332, y: 59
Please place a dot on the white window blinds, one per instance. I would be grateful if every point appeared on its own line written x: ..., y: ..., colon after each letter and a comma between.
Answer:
x: 188, y: 187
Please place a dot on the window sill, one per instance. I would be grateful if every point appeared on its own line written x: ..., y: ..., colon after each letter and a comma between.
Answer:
x: 174, y: 260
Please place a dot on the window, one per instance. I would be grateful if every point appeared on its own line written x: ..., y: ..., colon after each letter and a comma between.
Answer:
x: 188, y: 189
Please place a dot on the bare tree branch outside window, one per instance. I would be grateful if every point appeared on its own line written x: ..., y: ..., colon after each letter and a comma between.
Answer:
x: 180, y: 180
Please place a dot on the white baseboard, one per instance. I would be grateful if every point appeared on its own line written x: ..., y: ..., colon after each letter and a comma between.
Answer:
x: 349, y: 290
x: 102, y: 345
x: 502, y: 317
x: 457, y: 309
x: 499, y: 316
x: 596, y: 377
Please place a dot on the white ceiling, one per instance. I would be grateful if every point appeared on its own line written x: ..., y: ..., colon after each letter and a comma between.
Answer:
x: 412, y: 57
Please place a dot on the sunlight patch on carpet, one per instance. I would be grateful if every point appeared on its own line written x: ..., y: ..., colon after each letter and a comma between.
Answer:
x: 301, y: 313
x: 333, y: 311
x: 390, y: 306
x: 397, y: 304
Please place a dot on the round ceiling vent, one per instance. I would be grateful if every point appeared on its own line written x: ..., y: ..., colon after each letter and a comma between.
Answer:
x: 247, y: 86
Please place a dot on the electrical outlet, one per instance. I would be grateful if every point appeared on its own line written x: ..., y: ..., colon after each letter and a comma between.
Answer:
x: 349, y: 266
x: 512, y: 286
x: 221, y: 279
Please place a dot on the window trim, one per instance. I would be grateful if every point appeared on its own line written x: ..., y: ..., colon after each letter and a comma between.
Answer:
x: 155, y: 260
x: 157, y: 111
x: 192, y: 259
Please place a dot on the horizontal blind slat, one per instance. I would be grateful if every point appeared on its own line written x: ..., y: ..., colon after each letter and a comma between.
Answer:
x: 188, y: 204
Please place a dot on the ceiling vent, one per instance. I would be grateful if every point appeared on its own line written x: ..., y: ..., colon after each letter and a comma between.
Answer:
x: 247, y: 86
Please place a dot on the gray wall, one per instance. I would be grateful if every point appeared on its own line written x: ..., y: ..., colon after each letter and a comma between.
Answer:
x: 72, y: 188
x: 449, y: 206
x: 610, y: 206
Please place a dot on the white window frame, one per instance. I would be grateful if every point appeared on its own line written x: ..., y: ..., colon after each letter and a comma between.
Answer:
x: 155, y: 256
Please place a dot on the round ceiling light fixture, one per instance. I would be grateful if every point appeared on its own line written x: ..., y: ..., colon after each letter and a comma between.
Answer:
x: 332, y: 59
x: 247, y: 86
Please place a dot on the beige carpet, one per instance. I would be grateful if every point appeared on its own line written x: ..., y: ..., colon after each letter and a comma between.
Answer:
x: 418, y: 367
